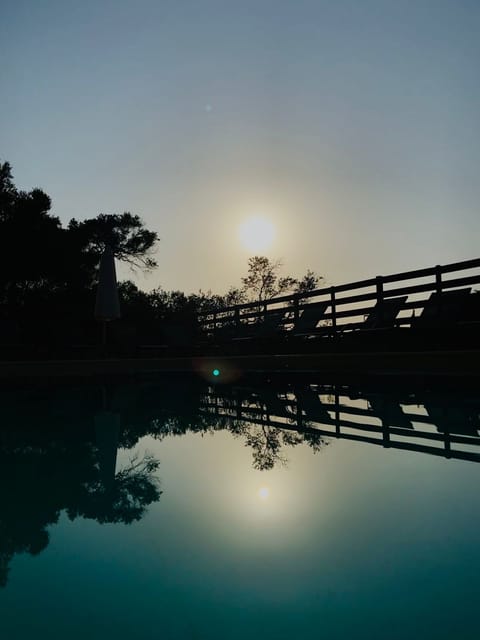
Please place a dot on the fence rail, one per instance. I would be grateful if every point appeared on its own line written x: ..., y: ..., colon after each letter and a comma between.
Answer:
x: 448, y: 430
x: 348, y: 305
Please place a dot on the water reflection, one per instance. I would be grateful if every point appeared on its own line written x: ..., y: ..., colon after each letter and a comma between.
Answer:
x: 428, y: 422
x: 50, y: 464
x: 58, y: 447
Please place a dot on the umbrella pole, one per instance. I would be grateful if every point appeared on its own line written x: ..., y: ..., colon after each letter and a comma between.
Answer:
x: 104, y: 337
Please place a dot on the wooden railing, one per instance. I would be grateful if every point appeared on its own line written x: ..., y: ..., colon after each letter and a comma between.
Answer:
x: 397, y: 422
x: 349, y: 304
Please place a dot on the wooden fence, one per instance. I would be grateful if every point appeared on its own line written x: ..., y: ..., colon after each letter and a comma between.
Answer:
x: 432, y: 424
x: 348, y: 305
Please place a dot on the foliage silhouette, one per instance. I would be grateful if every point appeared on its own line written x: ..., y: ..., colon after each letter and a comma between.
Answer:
x: 264, y: 282
x: 125, y: 500
x: 123, y: 233
x: 37, y: 252
x: 51, y: 453
x: 48, y: 277
x: 48, y: 273
x: 55, y: 469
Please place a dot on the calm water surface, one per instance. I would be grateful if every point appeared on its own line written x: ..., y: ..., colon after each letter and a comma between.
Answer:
x: 261, y: 509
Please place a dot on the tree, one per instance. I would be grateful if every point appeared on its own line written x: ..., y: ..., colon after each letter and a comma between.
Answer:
x: 37, y: 254
x: 309, y: 282
x: 8, y: 191
x: 124, y: 233
x: 264, y: 282
x: 48, y: 271
x: 32, y: 242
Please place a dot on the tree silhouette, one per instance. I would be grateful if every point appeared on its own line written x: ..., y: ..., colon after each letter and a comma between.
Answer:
x: 123, y: 233
x: 36, y: 252
x: 264, y: 282
x: 54, y: 469
x: 32, y: 243
x: 48, y: 272
x: 132, y: 489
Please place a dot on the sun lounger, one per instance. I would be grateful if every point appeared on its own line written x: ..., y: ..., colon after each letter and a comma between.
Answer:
x: 309, y: 402
x: 274, y: 405
x: 269, y: 326
x: 308, y: 320
x: 453, y: 419
x: 443, y: 308
x: 384, y: 314
x: 389, y: 411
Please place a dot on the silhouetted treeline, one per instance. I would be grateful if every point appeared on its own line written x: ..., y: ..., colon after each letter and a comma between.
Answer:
x: 48, y: 278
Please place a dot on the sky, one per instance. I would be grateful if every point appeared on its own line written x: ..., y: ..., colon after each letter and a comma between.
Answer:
x: 353, y: 127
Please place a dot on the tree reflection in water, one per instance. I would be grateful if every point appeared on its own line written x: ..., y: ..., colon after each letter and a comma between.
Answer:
x: 58, y: 445
x: 48, y: 466
x: 125, y: 499
x: 268, y: 443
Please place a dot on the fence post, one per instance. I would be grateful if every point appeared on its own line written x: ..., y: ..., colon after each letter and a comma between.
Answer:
x: 438, y: 278
x: 296, y: 311
x: 214, y: 323
x: 337, y: 411
x: 379, y: 280
x: 237, y: 318
x: 385, y: 433
x: 334, y: 309
x: 299, y: 411
x: 239, y: 408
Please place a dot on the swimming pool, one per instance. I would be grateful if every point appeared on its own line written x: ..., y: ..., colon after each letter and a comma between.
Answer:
x: 173, y: 507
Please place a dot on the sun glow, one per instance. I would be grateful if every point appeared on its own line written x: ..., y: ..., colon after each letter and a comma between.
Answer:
x: 257, y: 233
x: 264, y: 493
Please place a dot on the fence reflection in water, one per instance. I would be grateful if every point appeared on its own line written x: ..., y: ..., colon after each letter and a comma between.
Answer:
x: 430, y: 422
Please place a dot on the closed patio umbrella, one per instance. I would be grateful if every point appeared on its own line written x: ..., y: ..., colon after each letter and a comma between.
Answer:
x: 107, y: 305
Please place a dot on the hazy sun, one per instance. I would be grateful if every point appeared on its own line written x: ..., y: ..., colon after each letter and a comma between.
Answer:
x: 263, y: 493
x: 257, y: 233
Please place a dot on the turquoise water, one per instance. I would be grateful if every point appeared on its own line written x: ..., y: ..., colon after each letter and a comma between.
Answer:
x: 177, y: 508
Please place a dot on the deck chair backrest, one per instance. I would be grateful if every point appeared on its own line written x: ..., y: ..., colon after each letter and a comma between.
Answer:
x: 443, y: 308
x: 388, y: 409
x: 310, y: 317
x: 273, y: 319
x: 449, y: 419
x: 384, y: 314
x: 268, y: 324
x: 274, y: 405
x: 309, y: 401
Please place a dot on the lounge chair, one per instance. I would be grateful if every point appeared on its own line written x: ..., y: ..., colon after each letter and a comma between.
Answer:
x: 453, y: 419
x: 384, y: 314
x: 309, y: 402
x: 308, y: 320
x: 270, y: 325
x: 274, y: 405
x: 444, y: 308
x: 389, y: 411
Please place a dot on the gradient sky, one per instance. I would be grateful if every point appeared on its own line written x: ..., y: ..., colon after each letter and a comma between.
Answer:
x: 352, y: 125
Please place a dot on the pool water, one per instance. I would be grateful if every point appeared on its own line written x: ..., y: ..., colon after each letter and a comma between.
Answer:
x: 181, y: 508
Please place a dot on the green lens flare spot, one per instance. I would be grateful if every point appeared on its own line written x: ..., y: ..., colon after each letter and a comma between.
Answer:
x: 216, y: 372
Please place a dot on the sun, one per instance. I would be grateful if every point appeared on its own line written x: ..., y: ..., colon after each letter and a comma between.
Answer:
x: 257, y: 233
x: 263, y: 493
